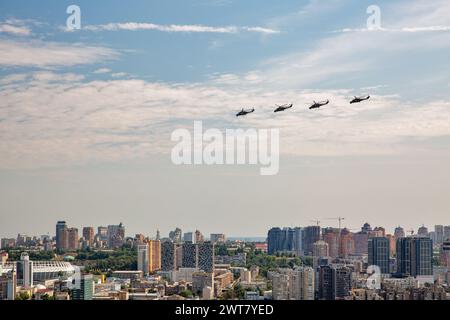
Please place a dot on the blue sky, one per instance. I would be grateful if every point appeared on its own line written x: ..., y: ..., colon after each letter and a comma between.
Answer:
x: 109, y: 95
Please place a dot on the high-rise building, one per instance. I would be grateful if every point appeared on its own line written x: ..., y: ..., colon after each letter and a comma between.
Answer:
x: 335, y: 282
x: 379, y: 249
x: 154, y: 255
x: 423, y: 231
x: 116, y: 236
x: 149, y: 256
x: 102, y: 233
x: 298, y: 241
x: 311, y: 234
x: 377, y: 232
x: 24, y: 271
x: 86, y: 288
x: 444, y: 253
x: 72, y: 238
x: 446, y: 232
x: 7, y: 243
x: 8, y: 285
x: 347, y: 244
x: 206, y: 256
x: 439, y: 231
x: 218, y: 238
x: 414, y: 256
x: 399, y: 233
x: 281, y: 240
x: 61, y: 236
x: 88, y: 235
x: 301, y: 284
x: 201, y: 280
x: 179, y: 256
x: 199, y: 238
x: 143, y: 257
x: 320, y: 249
x: 175, y: 235
x: 392, y: 242
x: 188, y: 237
x: 189, y: 255
x: 168, y: 256
x: 280, y: 285
x: 326, y: 283
x: 332, y: 237
x: 361, y: 238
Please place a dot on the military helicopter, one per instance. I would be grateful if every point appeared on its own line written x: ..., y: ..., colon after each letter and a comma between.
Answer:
x: 283, y: 107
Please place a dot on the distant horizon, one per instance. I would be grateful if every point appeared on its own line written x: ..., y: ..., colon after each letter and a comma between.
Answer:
x: 207, y: 234
x: 89, y: 104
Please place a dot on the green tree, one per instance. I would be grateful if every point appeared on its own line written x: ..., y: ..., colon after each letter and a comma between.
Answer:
x: 23, y: 296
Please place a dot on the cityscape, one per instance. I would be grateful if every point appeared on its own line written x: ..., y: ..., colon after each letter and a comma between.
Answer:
x: 294, y: 263
x: 224, y: 158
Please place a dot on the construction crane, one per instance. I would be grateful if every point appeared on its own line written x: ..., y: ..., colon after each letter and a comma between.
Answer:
x: 410, y: 231
x: 340, y: 219
x: 316, y: 221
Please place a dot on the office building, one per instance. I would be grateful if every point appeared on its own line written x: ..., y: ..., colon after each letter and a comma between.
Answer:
x: 85, y: 290
x: 379, y: 253
x: 281, y: 240
x: 414, y: 256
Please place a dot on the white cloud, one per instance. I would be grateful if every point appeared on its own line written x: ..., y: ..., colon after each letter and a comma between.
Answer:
x: 102, y: 70
x: 51, y: 54
x: 133, y: 26
x: 58, y: 119
x: 15, y: 30
x: 119, y: 75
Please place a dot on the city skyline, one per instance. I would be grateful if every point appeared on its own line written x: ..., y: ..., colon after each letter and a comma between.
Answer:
x: 86, y: 115
x: 166, y: 234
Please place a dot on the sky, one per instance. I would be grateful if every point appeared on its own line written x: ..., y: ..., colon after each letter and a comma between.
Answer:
x: 86, y: 115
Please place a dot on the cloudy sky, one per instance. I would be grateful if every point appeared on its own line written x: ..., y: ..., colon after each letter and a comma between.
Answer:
x: 86, y: 115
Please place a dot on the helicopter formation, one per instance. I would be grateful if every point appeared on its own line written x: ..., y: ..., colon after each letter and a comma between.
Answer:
x: 315, y: 105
